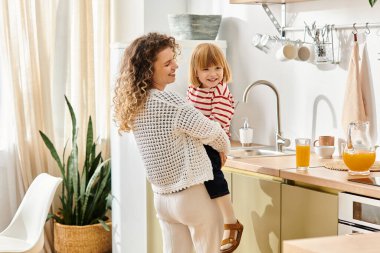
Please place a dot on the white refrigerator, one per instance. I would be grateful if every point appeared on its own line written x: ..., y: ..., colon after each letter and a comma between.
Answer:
x: 129, y: 209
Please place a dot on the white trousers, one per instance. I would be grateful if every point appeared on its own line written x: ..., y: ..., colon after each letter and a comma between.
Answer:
x: 189, y: 220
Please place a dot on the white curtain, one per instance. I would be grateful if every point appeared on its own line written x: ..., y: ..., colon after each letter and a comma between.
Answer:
x: 87, y: 82
x: 26, y: 32
x: 43, y: 58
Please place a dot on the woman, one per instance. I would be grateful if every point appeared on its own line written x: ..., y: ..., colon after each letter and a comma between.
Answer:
x: 170, y: 134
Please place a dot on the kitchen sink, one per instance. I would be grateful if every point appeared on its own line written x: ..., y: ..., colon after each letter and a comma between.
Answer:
x: 262, y: 151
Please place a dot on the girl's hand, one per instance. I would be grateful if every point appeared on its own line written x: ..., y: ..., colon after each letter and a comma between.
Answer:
x: 223, y: 158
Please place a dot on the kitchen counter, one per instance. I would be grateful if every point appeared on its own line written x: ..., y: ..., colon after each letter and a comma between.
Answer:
x: 333, y: 179
x: 281, y: 168
x: 368, y: 243
x: 317, y: 175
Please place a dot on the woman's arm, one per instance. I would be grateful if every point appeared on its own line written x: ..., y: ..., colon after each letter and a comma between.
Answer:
x: 192, y: 122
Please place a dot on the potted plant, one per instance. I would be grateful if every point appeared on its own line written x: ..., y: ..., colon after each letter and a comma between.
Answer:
x: 372, y: 2
x: 81, y: 225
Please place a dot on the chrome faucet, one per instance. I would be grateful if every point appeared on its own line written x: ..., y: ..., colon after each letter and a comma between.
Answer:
x: 280, y: 141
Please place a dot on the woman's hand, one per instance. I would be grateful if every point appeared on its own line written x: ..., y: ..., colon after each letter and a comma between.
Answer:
x: 223, y: 158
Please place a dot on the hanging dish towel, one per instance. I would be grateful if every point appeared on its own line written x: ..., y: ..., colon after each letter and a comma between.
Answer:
x: 353, y: 105
x: 365, y: 79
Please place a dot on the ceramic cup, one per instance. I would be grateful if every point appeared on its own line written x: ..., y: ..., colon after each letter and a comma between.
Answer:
x: 286, y: 52
x: 324, y: 141
x: 266, y: 41
x: 324, y: 151
x: 257, y: 42
x: 303, y: 53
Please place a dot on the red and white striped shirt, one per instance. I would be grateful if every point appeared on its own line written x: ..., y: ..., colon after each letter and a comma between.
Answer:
x: 215, y: 103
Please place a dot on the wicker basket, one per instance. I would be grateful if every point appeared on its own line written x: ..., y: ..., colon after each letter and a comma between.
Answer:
x: 82, y: 239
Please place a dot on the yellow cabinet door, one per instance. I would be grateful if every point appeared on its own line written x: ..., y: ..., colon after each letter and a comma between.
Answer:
x: 308, y: 213
x: 257, y: 204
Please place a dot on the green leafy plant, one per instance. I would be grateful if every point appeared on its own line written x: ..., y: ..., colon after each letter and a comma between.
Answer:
x: 85, y: 196
x: 372, y: 2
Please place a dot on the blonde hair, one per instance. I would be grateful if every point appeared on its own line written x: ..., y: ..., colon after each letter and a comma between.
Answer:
x: 204, y: 56
x: 136, y: 76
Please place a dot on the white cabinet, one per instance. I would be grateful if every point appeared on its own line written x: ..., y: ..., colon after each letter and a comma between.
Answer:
x: 154, y: 230
x: 129, y: 224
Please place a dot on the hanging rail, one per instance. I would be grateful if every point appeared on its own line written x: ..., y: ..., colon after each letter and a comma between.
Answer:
x: 282, y: 28
x: 337, y: 27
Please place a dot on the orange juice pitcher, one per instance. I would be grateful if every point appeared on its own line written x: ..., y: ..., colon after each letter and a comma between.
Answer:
x: 359, y: 154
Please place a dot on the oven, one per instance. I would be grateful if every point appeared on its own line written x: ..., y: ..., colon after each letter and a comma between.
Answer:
x: 358, y: 214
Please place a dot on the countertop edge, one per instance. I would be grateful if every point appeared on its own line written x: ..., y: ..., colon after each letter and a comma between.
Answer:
x: 338, y: 181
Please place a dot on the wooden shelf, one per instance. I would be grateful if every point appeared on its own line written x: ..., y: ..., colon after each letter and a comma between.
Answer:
x: 266, y: 1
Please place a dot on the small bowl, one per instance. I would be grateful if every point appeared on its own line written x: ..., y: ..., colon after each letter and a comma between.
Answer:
x: 324, y: 151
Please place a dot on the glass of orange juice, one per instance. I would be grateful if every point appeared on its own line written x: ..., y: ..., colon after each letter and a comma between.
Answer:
x: 359, y: 161
x: 302, y: 153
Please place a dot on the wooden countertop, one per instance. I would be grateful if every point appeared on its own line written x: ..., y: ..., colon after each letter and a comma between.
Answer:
x: 354, y: 243
x: 317, y: 175
x: 338, y: 180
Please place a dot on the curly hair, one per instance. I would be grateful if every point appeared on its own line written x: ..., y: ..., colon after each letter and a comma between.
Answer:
x: 136, y: 76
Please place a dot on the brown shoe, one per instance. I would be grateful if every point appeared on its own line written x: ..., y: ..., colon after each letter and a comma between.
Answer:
x: 236, y: 230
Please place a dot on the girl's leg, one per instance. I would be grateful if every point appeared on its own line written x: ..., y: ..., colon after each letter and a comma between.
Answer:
x: 225, y: 205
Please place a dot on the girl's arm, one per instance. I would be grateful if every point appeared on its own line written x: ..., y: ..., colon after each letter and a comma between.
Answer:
x: 222, y: 107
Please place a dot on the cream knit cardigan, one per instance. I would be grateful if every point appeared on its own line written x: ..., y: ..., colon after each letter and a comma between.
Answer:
x: 170, y: 134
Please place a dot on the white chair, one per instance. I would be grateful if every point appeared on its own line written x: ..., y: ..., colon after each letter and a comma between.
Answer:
x: 25, y: 233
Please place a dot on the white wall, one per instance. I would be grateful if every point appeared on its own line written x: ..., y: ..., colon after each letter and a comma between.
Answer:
x: 299, y: 84
x: 127, y: 20
x: 156, y: 12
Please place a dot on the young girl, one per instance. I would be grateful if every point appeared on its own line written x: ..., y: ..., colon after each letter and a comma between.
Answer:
x: 208, y: 92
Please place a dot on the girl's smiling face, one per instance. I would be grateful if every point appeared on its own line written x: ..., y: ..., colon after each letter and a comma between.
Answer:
x: 210, y: 77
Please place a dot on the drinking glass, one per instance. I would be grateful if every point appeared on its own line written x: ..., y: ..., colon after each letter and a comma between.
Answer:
x: 302, y: 153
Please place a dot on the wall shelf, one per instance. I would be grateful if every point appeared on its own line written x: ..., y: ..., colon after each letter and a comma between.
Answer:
x: 267, y: 1
x: 264, y: 3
